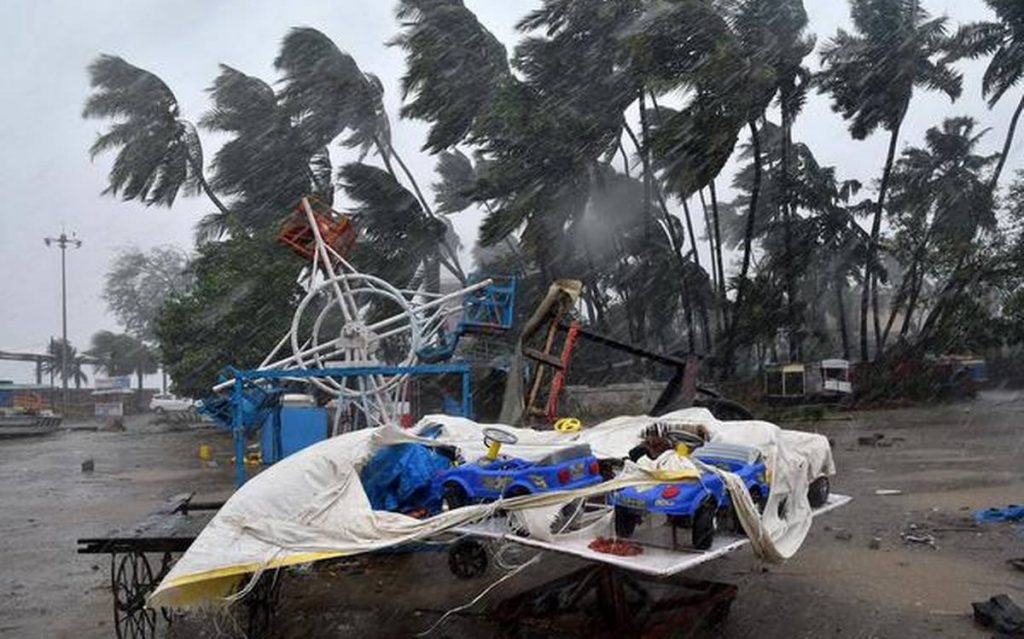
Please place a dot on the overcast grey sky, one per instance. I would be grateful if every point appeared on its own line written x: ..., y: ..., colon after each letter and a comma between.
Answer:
x: 47, y: 179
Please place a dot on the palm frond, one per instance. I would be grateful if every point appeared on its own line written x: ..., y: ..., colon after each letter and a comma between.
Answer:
x: 453, y: 67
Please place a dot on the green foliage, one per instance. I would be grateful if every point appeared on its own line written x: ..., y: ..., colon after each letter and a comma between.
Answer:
x: 243, y: 299
x: 138, y: 283
x: 64, y: 362
x: 454, y: 68
x: 158, y: 153
x: 397, y: 236
x: 326, y: 93
x: 871, y: 74
x: 266, y: 164
x: 941, y: 193
x: 454, y: 191
x: 121, y: 354
x: 1003, y: 40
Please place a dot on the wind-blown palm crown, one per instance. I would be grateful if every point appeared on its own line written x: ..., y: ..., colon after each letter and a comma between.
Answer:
x: 1004, y: 41
x: 327, y: 93
x: 871, y: 74
x: 158, y: 152
x: 454, y: 66
x: 266, y: 165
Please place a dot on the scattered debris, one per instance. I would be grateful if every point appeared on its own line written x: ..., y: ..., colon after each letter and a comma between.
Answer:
x: 616, y: 547
x: 927, y: 540
x: 88, y: 466
x: 870, y: 440
x: 879, y: 440
x: 888, y: 491
x: 875, y: 543
x: 844, y: 535
x: 1001, y: 614
x: 1012, y: 512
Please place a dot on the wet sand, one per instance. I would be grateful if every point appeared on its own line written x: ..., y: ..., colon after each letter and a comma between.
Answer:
x: 951, y: 459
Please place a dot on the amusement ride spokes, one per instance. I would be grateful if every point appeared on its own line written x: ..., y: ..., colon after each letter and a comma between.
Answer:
x: 359, y: 325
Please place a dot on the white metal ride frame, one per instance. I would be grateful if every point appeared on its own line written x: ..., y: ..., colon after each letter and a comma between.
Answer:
x: 345, y: 297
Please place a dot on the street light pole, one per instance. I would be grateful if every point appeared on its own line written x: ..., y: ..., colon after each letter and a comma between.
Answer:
x: 63, y: 242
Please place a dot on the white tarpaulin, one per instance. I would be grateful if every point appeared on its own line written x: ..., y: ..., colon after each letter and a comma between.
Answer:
x: 312, y: 506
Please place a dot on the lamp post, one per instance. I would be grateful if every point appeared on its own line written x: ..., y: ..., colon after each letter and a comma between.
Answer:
x: 63, y: 242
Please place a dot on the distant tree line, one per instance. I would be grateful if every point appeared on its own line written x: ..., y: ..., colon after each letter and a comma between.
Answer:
x: 596, y: 151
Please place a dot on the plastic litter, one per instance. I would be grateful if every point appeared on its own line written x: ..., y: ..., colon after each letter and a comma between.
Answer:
x: 398, y: 478
x: 1001, y: 614
x: 997, y: 515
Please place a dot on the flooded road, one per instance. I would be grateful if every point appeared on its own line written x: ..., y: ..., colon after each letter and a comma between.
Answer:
x: 856, y: 576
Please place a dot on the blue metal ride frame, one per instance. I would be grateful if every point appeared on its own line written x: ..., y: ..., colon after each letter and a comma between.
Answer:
x: 276, y: 375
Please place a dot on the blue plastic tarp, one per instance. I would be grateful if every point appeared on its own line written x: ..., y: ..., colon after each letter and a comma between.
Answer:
x: 995, y: 515
x: 398, y: 478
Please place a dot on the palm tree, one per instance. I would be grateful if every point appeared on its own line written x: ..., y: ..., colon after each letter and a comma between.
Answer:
x: 158, y: 152
x: 774, y: 31
x: 121, y: 354
x: 327, y: 93
x: 871, y: 75
x: 65, y: 362
x: 1004, y: 41
x: 401, y: 241
x: 267, y: 166
x: 940, y: 200
x: 454, y: 67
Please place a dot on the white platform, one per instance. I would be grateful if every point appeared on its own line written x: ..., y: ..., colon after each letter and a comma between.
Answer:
x: 654, y: 535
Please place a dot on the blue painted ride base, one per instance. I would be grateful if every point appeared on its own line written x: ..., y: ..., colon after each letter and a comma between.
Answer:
x: 289, y: 429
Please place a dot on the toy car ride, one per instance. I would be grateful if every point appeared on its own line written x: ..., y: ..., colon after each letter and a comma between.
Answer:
x: 495, y: 475
x: 694, y: 499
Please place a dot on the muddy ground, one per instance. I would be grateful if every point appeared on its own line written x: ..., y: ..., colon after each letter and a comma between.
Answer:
x: 855, y: 576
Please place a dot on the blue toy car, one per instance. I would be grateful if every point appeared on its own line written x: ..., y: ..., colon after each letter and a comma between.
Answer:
x: 495, y: 475
x: 695, y: 502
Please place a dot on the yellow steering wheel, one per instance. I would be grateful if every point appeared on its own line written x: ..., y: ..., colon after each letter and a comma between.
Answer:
x: 568, y: 425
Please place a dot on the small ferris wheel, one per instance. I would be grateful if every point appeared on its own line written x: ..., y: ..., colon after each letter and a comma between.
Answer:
x: 359, y: 326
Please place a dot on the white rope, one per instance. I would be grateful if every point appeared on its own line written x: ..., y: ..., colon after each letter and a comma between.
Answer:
x: 477, y: 599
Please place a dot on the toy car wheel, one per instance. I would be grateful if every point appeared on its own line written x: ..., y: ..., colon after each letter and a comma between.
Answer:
x: 704, y: 524
x: 818, y: 492
x: 759, y: 497
x: 626, y: 522
x: 467, y: 559
x: 454, y: 496
x: 760, y: 501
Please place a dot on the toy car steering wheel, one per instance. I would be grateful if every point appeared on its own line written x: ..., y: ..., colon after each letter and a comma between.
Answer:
x: 568, y: 425
x: 494, y: 438
x: 492, y: 435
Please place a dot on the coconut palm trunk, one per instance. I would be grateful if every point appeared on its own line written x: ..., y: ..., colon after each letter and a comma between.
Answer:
x: 844, y: 331
x: 795, y: 345
x: 748, y: 236
x: 872, y: 252
x: 718, y: 254
x: 1014, y: 121
x: 451, y: 262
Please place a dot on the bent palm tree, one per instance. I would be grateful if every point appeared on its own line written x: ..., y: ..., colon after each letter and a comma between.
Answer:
x: 1004, y: 41
x: 65, y: 362
x: 871, y: 75
x: 158, y: 152
x: 121, y: 354
x: 327, y: 93
x: 940, y: 199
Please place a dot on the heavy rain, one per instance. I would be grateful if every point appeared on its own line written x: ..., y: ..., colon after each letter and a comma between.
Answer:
x: 532, y: 318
